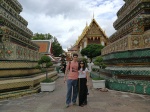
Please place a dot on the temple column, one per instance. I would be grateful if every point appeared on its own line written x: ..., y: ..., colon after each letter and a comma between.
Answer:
x: 80, y: 47
x: 85, y: 42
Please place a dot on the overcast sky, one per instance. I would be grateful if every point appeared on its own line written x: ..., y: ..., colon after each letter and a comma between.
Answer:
x: 66, y: 19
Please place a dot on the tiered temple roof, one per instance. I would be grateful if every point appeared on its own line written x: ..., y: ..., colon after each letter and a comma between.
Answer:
x: 91, y: 34
x: 87, y: 29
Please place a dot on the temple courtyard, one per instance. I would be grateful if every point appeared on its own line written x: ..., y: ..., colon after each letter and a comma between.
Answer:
x: 111, y: 101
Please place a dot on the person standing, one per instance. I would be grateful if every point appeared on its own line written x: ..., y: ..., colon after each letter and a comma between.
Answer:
x: 83, y: 79
x: 71, y: 76
x: 90, y: 64
x: 63, y: 66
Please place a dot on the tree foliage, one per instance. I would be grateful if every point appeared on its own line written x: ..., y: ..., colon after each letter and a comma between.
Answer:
x: 44, y: 63
x: 92, y: 50
x: 56, y: 47
x: 41, y: 36
x: 99, y: 62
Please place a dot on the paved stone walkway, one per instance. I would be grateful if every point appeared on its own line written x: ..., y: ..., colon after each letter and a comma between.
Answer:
x: 111, y: 101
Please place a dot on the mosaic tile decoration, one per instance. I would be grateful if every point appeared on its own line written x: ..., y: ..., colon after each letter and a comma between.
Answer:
x: 128, y: 54
x: 134, y: 86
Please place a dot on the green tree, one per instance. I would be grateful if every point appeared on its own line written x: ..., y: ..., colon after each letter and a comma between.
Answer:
x: 56, y: 49
x: 92, y: 50
x: 99, y: 62
x: 41, y: 36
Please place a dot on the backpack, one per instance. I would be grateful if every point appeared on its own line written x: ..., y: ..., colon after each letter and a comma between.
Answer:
x: 69, y: 65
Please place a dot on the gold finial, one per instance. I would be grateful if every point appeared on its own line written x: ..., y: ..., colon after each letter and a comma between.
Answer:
x: 93, y: 15
x: 86, y: 24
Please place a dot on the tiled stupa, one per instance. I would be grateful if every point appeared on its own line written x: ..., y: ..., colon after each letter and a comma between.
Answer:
x: 128, y: 53
x: 18, y: 54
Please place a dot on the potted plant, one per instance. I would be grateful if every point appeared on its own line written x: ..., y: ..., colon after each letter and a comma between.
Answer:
x: 44, y: 63
x: 99, y: 82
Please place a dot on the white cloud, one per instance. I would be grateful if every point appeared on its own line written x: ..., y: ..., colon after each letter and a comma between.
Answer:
x: 65, y: 19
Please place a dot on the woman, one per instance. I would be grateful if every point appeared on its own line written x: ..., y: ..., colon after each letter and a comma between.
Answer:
x: 82, y: 83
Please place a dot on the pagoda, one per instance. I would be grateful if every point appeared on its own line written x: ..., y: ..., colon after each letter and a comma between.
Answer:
x: 127, y: 54
x: 18, y: 54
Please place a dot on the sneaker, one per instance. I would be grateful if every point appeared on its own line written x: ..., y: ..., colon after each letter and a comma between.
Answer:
x: 74, y: 103
x: 81, y: 105
x: 85, y: 103
x: 66, y: 106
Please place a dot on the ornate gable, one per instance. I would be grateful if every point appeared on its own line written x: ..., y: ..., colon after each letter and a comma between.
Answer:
x: 95, y: 29
x: 92, y: 34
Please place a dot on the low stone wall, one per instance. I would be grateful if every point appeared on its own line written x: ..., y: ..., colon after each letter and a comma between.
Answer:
x: 19, y: 78
x: 8, y: 73
x: 121, y: 84
x: 22, y: 86
x: 127, y: 70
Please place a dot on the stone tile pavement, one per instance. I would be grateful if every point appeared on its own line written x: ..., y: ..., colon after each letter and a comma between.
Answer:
x: 111, y: 101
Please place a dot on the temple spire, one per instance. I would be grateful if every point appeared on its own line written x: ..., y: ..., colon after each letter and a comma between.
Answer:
x: 86, y: 24
x: 93, y: 15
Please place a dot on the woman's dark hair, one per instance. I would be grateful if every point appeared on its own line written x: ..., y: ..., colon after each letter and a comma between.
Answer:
x: 75, y: 54
x: 79, y: 67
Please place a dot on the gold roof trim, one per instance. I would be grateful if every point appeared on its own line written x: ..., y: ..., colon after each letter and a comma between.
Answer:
x: 82, y: 35
x: 84, y: 32
x: 93, y: 20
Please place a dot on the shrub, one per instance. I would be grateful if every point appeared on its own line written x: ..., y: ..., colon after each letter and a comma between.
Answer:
x: 43, y: 64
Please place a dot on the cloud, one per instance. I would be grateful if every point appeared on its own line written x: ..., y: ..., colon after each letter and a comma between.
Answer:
x: 66, y: 19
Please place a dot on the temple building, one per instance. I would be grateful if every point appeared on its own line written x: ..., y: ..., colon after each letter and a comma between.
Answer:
x: 92, y: 34
x: 128, y: 53
x: 45, y: 47
x: 18, y: 54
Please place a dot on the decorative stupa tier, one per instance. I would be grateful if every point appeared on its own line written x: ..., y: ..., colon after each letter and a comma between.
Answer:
x: 15, y: 37
x: 132, y: 25
x: 127, y: 54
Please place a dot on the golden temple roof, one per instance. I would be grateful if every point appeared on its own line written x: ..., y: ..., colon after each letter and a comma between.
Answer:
x: 86, y: 29
x: 93, y: 20
x: 82, y: 35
